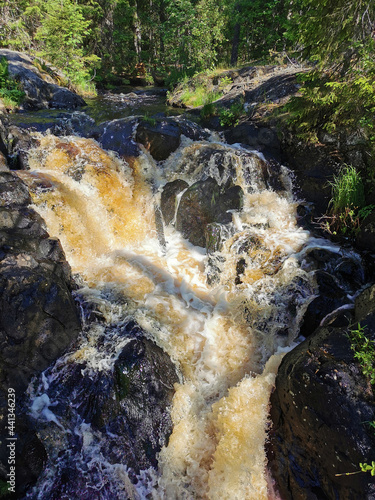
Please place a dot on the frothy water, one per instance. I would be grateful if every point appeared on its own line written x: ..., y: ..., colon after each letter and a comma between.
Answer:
x: 226, y: 335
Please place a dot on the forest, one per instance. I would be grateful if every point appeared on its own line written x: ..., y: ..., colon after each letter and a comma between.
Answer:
x: 98, y: 43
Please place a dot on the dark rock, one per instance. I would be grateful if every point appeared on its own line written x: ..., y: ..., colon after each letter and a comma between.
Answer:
x: 190, y: 129
x: 365, y: 308
x: 314, y: 165
x: 260, y: 138
x: 62, y: 98
x: 144, y: 386
x: 160, y: 139
x: 216, y: 234
x: 319, y: 411
x: 169, y: 197
x: 38, y: 318
x: 116, y: 135
x: 13, y: 192
x: 162, y: 136
x: 203, y: 203
x: 30, y: 454
x: 366, y: 236
x: 331, y: 296
x: 17, y: 142
x: 40, y: 88
x: 127, y: 405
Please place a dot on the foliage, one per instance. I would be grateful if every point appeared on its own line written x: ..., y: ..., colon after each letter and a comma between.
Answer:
x: 208, y: 110
x: 62, y: 34
x: 10, y: 91
x: 179, y: 36
x: 368, y: 467
x: 150, y: 120
x: 263, y: 26
x: 347, y: 190
x: 224, y: 82
x: 230, y: 117
x: 364, y: 352
x: 332, y: 33
x: 347, y: 205
x: 339, y: 93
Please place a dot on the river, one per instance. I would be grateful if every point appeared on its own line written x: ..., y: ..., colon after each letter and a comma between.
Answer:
x: 224, y: 315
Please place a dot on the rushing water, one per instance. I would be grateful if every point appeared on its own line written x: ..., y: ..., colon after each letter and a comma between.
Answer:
x: 226, y: 338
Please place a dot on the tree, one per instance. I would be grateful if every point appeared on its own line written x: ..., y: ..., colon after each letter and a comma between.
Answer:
x: 334, y: 33
x: 340, y: 92
x: 62, y: 33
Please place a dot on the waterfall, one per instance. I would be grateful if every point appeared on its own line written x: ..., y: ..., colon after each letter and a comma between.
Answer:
x: 225, y: 314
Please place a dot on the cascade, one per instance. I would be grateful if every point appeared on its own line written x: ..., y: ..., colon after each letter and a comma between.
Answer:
x: 224, y: 312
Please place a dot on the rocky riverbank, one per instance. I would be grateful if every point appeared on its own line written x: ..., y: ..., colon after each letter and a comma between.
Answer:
x: 321, y: 404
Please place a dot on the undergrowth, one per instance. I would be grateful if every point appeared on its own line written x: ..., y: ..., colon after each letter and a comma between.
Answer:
x: 364, y: 353
x: 10, y: 91
x: 347, y: 208
x: 230, y: 117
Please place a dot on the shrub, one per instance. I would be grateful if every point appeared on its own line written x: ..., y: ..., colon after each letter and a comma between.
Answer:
x: 230, y: 117
x: 10, y: 91
x: 347, y: 206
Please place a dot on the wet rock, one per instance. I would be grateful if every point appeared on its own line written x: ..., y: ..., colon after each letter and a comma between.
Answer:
x: 314, y: 165
x: 38, y: 318
x: 117, y: 135
x: 62, y: 98
x: 319, y: 411
x: 30, y: 452
x: 40, y: 88
x: 216, y: 234
x: 162, y: 136
x: 366, y: 236
x: 260, y: 138
x: 365, y: 308
x: 203, y: 203
x: 17, y: 142
x: 168, y: 202
x: 144, y: 385
x: 13, y: 192
x: 127, y: 406
x: 331, y: 296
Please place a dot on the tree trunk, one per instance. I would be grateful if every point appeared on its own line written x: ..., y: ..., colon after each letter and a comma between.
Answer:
x: 236, y: 36
x: 137, y: 33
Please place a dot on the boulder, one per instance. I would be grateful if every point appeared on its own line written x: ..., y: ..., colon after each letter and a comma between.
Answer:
x: 365, y: 239
x: 331, y: 296
x: 38, y: 317
x: 17, y: 141
x: 321, y: 409
x: 260, y: 138
x: 314, y: 165
x: 31, y: 455
x: 203, y: 203
x: 125, y: 407
x: 40, y: 88
x: 162, y: 136
x: 168, y: 202
x: 117, y: 135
